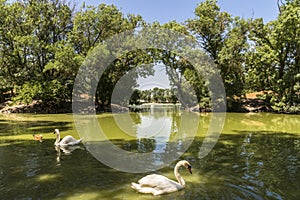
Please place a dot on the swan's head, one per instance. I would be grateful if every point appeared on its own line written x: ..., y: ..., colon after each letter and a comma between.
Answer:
x: 186, y: 164
x: 56, y: 131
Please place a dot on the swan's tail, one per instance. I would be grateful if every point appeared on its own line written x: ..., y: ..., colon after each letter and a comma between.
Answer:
x: 145, y: 190
x: 136, y: 186
x: 80, y: 140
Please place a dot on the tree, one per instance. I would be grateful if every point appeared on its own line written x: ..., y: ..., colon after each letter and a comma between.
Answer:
x: 93, y: 25
x: 135, y: 97
x: 172, y: 41
x: 275, y: 63
x: 34, y: 48
x: 225, y: 39
x: 93, y: 28
x: 15, y: 44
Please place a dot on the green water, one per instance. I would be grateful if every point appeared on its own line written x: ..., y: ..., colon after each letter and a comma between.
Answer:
x: 256, y: 157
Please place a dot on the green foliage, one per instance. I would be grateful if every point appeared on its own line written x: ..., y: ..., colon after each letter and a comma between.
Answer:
x: 274, y: 63
x: 48, y: 91
x: 29, y: 92
x: 135, y: 98
x: 32, y: 37
x: 225, y: 39
x: 209, y: 26
x: 43, y: 43
x: 158, y: 95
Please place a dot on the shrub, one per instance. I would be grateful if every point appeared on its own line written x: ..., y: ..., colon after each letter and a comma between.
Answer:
x: 47, y: 91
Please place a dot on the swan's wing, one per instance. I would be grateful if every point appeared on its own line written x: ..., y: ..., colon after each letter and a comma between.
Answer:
x: 151, y: 180
x: 66, y: 139
x: 159, y: 183
x: 69, y: 140
x: 145, y: 190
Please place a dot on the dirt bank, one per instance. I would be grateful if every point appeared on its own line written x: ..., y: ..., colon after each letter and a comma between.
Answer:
x: 35, y: 107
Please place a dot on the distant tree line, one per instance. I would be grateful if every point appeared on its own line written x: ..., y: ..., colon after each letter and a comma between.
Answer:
x: 44, y: 42
x: 155, y: 95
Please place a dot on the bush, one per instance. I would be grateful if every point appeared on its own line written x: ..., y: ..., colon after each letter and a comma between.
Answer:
x: 28, y: 92
x: 47, y: 91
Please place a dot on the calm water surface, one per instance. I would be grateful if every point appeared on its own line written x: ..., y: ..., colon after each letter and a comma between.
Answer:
x: 256, y: 157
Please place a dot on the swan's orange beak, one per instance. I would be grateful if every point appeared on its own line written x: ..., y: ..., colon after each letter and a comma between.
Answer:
x: 190, y: 169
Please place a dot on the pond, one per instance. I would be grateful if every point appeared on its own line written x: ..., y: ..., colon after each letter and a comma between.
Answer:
x: 257, y: 156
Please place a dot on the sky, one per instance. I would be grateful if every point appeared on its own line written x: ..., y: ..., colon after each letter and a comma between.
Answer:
x: 164, y: 11
x: 181, y: 10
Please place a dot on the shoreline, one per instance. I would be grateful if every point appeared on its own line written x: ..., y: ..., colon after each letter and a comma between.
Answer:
x: 38, y: 107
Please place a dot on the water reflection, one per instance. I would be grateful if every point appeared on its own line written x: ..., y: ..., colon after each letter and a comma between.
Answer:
x: 67, y: 150
x: 156, y: 128
x: 162, y: 131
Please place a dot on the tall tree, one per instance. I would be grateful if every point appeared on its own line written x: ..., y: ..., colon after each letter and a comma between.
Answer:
x: 93, y: 27
x: 225, y: 39
x: 276, y: 57
x: 34, y: 48
x: 210, y: 26
x: 15, y: 45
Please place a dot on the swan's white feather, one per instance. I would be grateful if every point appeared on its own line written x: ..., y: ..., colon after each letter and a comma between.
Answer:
x: 69, y: 140
x: 145, y: 190
x: 159, y: 182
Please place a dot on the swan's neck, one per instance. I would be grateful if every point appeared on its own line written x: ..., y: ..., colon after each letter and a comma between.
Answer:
x: 178, y: 176
x: 57, y: 139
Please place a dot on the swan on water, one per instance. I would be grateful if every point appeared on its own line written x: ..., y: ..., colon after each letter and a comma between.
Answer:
x: 158, y: 184
x: 66, y: 141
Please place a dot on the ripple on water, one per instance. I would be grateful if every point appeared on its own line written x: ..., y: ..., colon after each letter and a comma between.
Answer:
x: 2, y: 177
x: 1, y: 172
x: 269, y: 193
x: 243, y: 192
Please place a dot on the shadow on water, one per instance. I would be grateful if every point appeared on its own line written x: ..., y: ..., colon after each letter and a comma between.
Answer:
x: 246, y: 165
x: 8, y: 128
x: 24, y: 127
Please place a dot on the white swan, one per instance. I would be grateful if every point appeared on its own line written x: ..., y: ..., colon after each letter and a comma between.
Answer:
x: 66, y: 141
x: 158, y: 184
